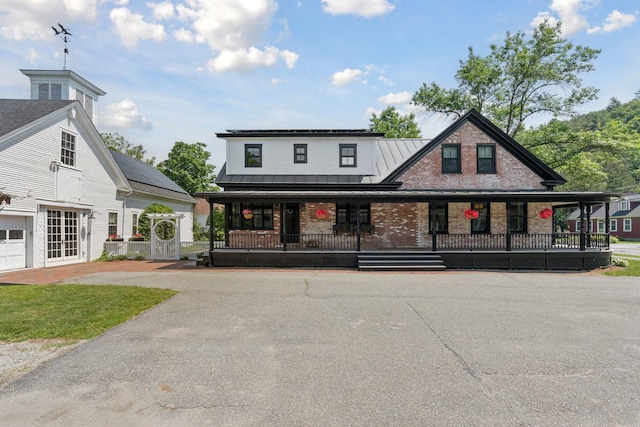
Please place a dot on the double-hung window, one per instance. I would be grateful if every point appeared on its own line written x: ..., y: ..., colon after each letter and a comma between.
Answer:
x: 68, y: 149
x: 347, y: 214
x: 348, y: 155
x: 613, y: 226
x: 482, y: 223
x: 113, y: 224
x: 451, y: 158
x: 250, y: 216
x: 626, y: 224
x: 134, y: 224
x: 299, y: 153
x: 486, y: 158
x: 518, y: 217
x: 253, y: 155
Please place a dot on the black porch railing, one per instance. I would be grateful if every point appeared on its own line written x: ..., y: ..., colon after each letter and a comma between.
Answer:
x: 470, y: 242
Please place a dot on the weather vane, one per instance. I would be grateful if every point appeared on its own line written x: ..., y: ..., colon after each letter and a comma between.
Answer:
x: 64, y: 35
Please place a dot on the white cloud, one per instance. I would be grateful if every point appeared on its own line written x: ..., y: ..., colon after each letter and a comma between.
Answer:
x: 386, y: 81
x: 32, y: 19
x: 32, y: 56
x: 615, y: 21
x: 131, y: 28
x: 346, y: 76
x: 365, y: 8
x: 275, y: 81
x: 396, y: 98
x: 247, y: 59
x: 228, y: 25
x: 570, y: 12
x: 123, y: 115
x: 286, y: 31
x: 162, y: 11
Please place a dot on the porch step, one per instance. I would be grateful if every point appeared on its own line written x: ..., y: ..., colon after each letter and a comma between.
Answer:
x: 400, y: 261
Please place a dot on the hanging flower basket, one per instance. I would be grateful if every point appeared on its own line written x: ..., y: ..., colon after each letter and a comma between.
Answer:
x: 5, y: 198
x: 546, y: 213
x: 247, y: 213
x: 322, y: 214
x: 471, y: 214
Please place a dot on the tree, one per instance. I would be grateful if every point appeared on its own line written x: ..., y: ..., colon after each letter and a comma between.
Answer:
x: 187, y: 166
x: 393, y: 125
x: 525, y: 76
x: 117, y: 142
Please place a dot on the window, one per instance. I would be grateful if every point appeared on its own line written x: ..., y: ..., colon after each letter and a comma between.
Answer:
x: 600, y: 226
x: 134, y: 224
x: 261, y: 216
x: 299, y: 153
x: 451, y: 158
x: 253, y: 155
x: 346, y: 214
x: 624, y: 205
x: 486, y: 157
x: 578, y: 225
x: 518, y: 217
x: 482, y: 223
x: 3, y: 234
x: 442, y: 217
x: 113, y: 224
x: 68, y: 149
x: 348, y: 154
x: 626, y: 224
x: 613, y: 225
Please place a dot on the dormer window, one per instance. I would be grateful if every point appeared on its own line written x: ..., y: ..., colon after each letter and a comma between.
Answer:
x: 299, y: 153
x: 348, y: 155
x: 253, y: 155
x: 624, y: 205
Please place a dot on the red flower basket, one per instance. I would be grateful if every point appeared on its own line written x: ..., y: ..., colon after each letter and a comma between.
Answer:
x: 546, y: 213
x: 322, y: 214
x: 471, y: 214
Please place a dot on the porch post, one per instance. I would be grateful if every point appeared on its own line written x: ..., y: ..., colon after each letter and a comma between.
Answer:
x: 283, y: 225
x: 211, y: 232
x: 582, y: 227
x: 509, y: 226
x: 358, y: 226
x: 434, y: 227
x: 590, y: 229
x: 607, y: 225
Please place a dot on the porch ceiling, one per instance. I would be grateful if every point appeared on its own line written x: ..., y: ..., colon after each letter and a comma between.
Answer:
x: 400, y: 196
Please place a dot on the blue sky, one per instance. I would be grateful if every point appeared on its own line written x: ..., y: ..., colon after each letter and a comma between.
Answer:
x: 182, y: 70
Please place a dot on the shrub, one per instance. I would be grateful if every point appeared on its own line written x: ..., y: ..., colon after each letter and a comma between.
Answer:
x: 613, y: 239
x: 619, y: 262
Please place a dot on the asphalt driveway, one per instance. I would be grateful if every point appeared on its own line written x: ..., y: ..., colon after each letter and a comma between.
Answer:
x: 325, y: 348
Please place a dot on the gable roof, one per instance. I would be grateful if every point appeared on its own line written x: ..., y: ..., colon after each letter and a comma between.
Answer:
x: 16, y: 113
x: 549, y: 176
x: 146, y: 178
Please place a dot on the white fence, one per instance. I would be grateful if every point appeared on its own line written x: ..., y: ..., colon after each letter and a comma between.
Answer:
x: 137, y: 250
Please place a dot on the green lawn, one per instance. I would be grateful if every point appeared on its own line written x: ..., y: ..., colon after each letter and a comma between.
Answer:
x: 70, y: 311
x: 632, y: 270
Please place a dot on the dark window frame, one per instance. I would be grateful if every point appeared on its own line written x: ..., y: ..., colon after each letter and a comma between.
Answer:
x: 262, y: 216
x: 346, y: 214
x: 442, y: 220
x: 68, y: 148
x: 486, y: 167
x: 514, y: 216
x: 300, y: 157
x: 483, y: 220
x: 252, y: 160
x: 447, y: 161
x: 344, y: 156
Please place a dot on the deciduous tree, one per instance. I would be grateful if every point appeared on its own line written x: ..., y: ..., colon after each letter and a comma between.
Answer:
x: 394, y: 125
x: 187, y: 166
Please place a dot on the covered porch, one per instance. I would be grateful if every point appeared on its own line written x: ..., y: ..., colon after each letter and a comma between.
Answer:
x: 341, y: 228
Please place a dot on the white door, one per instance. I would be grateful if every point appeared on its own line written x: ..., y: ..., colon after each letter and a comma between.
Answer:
x: 13, y: 247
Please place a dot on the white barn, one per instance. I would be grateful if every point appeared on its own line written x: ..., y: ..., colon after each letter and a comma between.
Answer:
x: 62, y: 192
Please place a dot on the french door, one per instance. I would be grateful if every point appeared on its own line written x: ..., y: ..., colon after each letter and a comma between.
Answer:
x: 62, y: 235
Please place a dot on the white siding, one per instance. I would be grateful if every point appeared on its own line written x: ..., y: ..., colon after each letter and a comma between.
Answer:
x: 323, y: 156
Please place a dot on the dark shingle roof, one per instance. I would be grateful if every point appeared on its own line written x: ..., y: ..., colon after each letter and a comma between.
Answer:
x: 15, y: 113
x: 145, y: 177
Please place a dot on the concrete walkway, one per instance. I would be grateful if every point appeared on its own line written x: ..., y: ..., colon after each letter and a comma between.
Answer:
x: 324, y: 348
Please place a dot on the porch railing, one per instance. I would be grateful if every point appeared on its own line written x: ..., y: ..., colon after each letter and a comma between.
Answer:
x: 332, y: 242
x: 132, y: 250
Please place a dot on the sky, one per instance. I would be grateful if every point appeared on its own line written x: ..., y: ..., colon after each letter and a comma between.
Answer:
x: 184, y: 70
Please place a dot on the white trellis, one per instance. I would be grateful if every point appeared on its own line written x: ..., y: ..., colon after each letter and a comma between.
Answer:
x: 165, y: 248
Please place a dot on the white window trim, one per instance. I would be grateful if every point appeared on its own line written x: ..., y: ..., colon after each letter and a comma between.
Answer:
x: 578, y: 225
x: 626, y: 221
x: 600, y: 226
x: 613, y: 225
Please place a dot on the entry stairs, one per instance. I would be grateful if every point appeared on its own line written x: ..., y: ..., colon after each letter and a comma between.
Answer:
x: 400, y: 261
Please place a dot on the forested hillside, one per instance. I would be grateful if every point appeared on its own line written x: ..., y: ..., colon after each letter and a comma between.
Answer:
x: 597, y: 151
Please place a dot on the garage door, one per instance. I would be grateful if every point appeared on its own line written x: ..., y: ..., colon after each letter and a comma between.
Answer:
x: 13, y: 246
